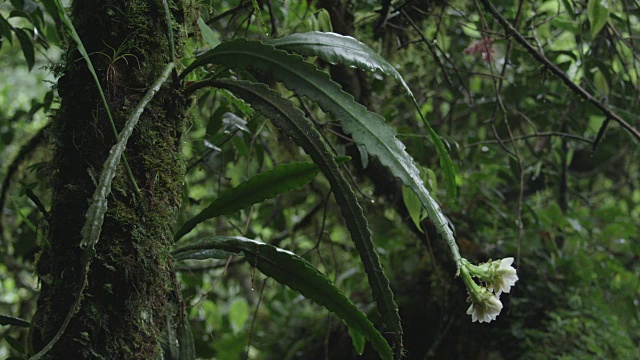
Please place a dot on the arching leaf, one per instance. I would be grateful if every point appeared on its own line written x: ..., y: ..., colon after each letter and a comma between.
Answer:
x: 267, y: 185
x: 292, y: 122
x: 339, y: 49
x: 365, y: 127
x: 298, y: 274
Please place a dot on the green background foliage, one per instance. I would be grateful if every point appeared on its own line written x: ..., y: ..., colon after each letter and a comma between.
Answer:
x: 534, y: 178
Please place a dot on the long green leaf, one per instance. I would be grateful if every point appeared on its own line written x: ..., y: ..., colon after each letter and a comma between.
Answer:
x: 366, y: 128
x: 15, y: 344
x: 27, y: 47
x: 10, y: 320
x: 98, y: 208
x: 267, y: 185
x: 339, y: 49
x: 292, y: 122
x: 298, y: 274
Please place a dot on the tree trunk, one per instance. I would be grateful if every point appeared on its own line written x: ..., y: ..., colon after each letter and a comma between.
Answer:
x: 131, y: 306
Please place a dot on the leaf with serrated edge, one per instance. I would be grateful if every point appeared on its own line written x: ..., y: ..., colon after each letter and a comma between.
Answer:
x: 339, y: 49
x: 365, y: 127
x: 292, y: 122
x: 298, y: 274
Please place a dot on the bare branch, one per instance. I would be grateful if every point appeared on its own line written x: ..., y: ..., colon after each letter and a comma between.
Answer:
x: 556, y: 70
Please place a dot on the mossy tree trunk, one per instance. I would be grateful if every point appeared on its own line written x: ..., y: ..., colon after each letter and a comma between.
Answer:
x: 131, y: 307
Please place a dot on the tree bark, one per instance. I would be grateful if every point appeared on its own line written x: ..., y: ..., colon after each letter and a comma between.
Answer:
x: 131, y: 306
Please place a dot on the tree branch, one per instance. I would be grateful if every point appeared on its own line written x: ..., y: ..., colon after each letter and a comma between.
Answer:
x: 556, y: 70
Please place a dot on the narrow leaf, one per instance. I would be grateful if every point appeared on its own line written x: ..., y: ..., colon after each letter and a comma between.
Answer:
x: 414, y: 207
x: 185, y: 338
x: 15, y: 344
x: 339, y: 49
x: 292, y: 122
x: 281, y: 179
x: 5, y: 29
x: 98, y: 208
x: 27, y: 47
x: 365, y: 127
x: 298, y: 274
x: 14, y: 321
x: 357, y: 340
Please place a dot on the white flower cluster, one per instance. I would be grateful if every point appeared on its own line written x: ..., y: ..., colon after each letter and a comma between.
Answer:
x: 499, y: 276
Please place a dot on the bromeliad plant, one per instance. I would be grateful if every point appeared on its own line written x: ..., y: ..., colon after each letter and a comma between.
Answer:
x: 280, y: 58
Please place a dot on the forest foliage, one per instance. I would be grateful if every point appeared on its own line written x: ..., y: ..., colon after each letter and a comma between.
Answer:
x: 518, y: 119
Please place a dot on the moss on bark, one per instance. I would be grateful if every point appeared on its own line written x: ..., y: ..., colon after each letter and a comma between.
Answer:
x: 131, y: 299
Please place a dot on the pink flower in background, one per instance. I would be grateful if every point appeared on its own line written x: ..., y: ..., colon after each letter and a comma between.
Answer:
x: 482, y: 47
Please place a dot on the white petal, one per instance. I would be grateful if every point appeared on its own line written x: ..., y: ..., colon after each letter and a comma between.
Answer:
x: 471, y: 311
x: 506, y: 262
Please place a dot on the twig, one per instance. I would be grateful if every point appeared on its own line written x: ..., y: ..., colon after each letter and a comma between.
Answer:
x: 24, y: 152
x: 228, y: 12
x: 275, y: 240
x: 30, y: 194
x: 499, y: 104
x: 272, y: 17
x: 556, y: 70
x: 439, y: 63
x: 255, y: 315
x: 321, y: 232
x: 538, y: 134
x: 224, y: 271
x: 382, y: 20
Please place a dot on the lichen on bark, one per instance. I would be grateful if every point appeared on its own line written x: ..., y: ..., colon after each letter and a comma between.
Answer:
x: 131, y: 300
